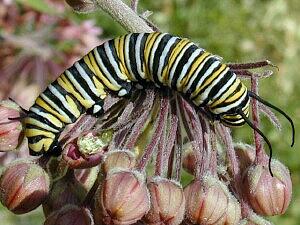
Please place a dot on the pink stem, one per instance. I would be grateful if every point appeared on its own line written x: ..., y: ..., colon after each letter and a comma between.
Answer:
x: 134, y: 4
x: 214, y: 150
x: 168, y: 159
x: 226, y: 137
x: 195, y: 132
x: 237, y: 184
x: 178, y: 154
x: 260, y: 156
x: 250, y: 65
x: 137, y: 128
x: 160, y: 150
x: 84, y: 123
x: 156, y: 136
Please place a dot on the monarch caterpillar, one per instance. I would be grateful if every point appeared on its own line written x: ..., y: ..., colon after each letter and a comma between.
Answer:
x: 136, y: 59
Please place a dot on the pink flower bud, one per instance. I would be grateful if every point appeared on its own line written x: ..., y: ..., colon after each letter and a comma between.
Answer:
x: 83, y: 6
x: 233, y: 213
x: 189, y: 159
x: 87, y: 177
x: 70, y: 215
x: 206, y: 201
x: 76, y: 160
x: 118, y: 159
x: 122, y: 198
x: 66, y: 190
x: 11, y: 134
x: 24, y: 186
x: 269, y: 195
x: 245, y: 154
x: 167, y: 202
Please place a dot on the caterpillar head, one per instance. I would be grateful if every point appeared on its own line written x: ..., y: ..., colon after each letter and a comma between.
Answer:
x: 41, y: 139
x: 230, y: 111
x: 240, y: 115
x: 39, y: 144
x: 233, y: 118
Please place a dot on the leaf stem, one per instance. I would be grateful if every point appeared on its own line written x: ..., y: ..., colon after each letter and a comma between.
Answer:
x: 124, y: 15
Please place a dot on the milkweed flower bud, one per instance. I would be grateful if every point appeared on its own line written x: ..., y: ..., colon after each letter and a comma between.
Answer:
x: 76, y: 160
x: 206, y: 201
x: 189, y: 159
x: 66, y: 190
x: 24, y: 185
x: 167, y: 202
x: 122, y: 198
x: 269, y: 195
x: 245, y: 154
x: 83, y: 6
x: 118, y: 159
x: 11, y: 131
x: 70, y: 215
x: 233, y: 213
x: 87, y: 177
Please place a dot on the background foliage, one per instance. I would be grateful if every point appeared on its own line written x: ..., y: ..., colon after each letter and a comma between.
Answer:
x: 239, y: 31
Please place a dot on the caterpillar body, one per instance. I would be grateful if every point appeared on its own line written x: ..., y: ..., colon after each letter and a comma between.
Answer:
x: 135, y: 59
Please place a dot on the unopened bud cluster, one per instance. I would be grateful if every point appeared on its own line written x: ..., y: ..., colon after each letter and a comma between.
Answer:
x: 123, y: 194
x: 102, y: 180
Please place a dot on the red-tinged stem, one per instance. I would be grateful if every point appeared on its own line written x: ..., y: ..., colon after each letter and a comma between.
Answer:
x: 178, y: 154
x: 85, y: 122
x: 137, y: 128
x: 136, y: 131
x: 134, y: 5
x: 120, y: 137
x: 195, y: 132
x: 160, y: 153
x: 269, y: 114
x: 109, y: 102
x: 158, y: 129
x: 260, y: 156
x: 224, y: 133
x: 243, y: 73
x: 168, y: 157
x: 214, y: 150
x: 161, y: 148
x: 124, y: 117
x: 250, y: 65
x: 237, y: 184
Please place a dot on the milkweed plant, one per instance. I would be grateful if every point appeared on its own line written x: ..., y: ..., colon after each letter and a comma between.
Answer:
x: 127, y: 166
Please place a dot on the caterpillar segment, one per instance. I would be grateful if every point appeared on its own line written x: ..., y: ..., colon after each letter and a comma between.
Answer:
x: 136, y: 59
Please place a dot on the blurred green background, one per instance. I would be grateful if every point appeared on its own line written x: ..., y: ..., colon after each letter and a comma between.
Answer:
x: 239, y: 31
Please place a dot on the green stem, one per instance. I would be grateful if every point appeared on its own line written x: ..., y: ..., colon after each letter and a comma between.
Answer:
x: 124, y: 15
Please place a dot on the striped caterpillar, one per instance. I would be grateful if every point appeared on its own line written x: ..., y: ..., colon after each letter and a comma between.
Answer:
x: 137, y: 59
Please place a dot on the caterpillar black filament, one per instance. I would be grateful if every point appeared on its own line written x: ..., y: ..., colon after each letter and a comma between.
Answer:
x: 136, y: 59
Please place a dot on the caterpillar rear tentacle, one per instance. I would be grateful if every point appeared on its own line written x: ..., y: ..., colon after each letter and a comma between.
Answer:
x: 134, y: 59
